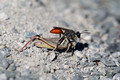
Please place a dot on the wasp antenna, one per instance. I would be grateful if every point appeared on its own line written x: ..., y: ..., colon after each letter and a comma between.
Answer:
x: 85, y: 40
x: 85, y: 31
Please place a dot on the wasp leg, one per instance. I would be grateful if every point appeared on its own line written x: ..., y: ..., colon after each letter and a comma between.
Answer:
x: 68, y: 47
x: 59, y: 42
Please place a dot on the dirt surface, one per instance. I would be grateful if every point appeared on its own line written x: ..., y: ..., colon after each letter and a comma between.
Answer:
x: 21, y: 19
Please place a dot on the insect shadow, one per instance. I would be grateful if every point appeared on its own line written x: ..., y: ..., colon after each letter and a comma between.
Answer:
x: 78, y: 46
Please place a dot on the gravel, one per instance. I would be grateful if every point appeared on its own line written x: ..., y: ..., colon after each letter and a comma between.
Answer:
x: 52, y: 56
x: 96, y: 56
x: 3, y: 16
x: 3, y: 77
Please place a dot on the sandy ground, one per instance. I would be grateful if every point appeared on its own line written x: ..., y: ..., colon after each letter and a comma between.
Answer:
x: 17, y: 17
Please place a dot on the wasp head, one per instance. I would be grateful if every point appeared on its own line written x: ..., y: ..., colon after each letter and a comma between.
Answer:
x: 78, y: 34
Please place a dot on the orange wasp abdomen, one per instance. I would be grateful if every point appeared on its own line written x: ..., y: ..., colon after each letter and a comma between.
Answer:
x: 56, y: 31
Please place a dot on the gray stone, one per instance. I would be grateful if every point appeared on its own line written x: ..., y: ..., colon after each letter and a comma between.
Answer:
x: 4, y: 63
x: 108, y: 62
x: 77, y: 77
x: 84, y: 64
x: 100, y: 15
x: 11, y: 74
x: 95, y: 57
x: 79, y: 54
x: 26, y: 72
x: 3, y: 16
x: 10, y: 61
x: 95, y: 72
x: 53, y: 77
x: 52, y: 56
x: 12, y: 67
x: 29, y: 77
x: 102, y: 70
x: 115, y: 55
x: 11, y: 78
x: 4, y: 52
x: 118, y: 59
x: 29, y: 34
x: 66, y: 66
x: 3, y: 77
x: 107, y: 26
x: 94, y: 77
x: 110, y: 71
x: 94, y: 47
x: 104, y: 78
x: 116, y: 70
x: 1, y: 71
x: 116, y: 76
x: 25, y: 78
x: 14, y: 30
x: 114, y: 8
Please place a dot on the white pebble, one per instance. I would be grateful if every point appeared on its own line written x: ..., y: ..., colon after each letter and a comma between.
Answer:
x: 52, y: 56
x: 115, y: 55
x: 3, y: 77
x: 66, y: 66
x: 3, y: 16
x: 78, y: 54
x: 116, y: 76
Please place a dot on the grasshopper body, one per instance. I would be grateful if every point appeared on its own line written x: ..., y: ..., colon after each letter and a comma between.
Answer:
x: 50, y: 43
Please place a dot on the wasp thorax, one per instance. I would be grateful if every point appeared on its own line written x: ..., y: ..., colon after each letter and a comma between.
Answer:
x: 69, y: 34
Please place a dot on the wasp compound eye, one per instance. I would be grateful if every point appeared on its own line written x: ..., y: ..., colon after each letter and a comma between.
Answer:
x: 78, y: 34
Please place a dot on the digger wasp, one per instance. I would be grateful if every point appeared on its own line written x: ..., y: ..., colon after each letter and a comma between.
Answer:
x: 67, y: 40
x: 68, y: 34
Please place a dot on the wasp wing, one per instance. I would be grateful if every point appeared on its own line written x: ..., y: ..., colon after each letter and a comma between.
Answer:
x: 61, y: 28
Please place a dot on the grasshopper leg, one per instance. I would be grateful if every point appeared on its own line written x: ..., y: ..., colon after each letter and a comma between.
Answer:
x: 27, y: 43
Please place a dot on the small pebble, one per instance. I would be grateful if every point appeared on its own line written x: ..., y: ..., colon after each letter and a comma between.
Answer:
x: 12, y: 67
x: 65, y: 66
x: 108, y: 63
x: 3, y: 16
x: 78, y: 54
x: 4, y: 63
x: 94, y: 47
x: 52, y: 56
x: 11, y: 78
x: 29, y: 34
x: 94, y: 77
x: 3, y: 77
x: 116, y: 76
x: 53, y: 78
x: 102, y: 70
x: 100, y: 16
x: 26, y: 72
x: 10, y: 74
x: 4, y: 52
x: 95, y: 57
x: 115, y: 55
x: 77, y: 77
x: 104, y: 78
x: 14, y: 30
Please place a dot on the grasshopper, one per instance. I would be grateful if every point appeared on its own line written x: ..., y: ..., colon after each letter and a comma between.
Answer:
x: 49, y: 43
